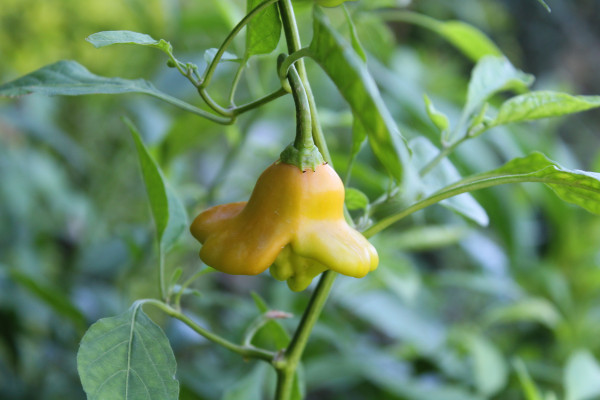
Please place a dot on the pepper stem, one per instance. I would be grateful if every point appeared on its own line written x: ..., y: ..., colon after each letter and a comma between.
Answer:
x: 302, y: 153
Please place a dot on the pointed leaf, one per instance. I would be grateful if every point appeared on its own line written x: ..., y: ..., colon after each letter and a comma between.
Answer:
x: 542, y: 104
x: 356, y: 45
x: 543, y: 3
x: 107, y: 38
x: 574, y: 186
x: 168, y: 212
x: 127, y: 357
x: 355, y: 199
x: 69, y: 78
x: 489, y: 368
x: 210, y: 54
x: 355, y: 83
x: 263, y: 31
x: 491, y: 75
x: 439, y: 119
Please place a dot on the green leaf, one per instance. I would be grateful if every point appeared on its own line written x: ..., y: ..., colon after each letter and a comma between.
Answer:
x: 443, y: 174
x: 350, y: 75
x: 169, y: 214
x: 359, y: 135
x: 439, y: 119
x: 53, y: 297
x: 527, y: 384
x: 127, y: 357
x: 469, y: 40
x: 69, y: 78
x: 574, y: 186
x: 273, y: 329
x: 263, y: 31
x: 542, y: 104
x: 492, y: 75
x: 356, y: 45
x: 489, y: 368
x: 355, y: 199
x: 582, y: 376
x: 107, y: 38
x: 527, y: 310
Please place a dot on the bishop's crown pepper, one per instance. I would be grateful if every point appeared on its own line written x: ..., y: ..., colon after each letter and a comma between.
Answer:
x: 294, y: 221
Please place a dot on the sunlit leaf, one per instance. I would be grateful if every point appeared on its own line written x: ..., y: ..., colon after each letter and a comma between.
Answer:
x: 107, y: 38
x: 127, y: 357
x: 542, y: 104
x: 263, y: 31
x: 489, y: 367
x: 582, y: 376
x: 350, y: 75
x: 439, y: 119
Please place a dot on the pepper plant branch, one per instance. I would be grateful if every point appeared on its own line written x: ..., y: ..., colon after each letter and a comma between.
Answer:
x: 286, y: 366
x: 236, y: 81
x: 209, y: 72
x: 292, y: 36
x: 451, y: 191
x: 244, y: 351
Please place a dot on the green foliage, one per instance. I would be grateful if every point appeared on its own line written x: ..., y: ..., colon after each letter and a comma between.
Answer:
x: 127, y: 357
x: 497, y: 302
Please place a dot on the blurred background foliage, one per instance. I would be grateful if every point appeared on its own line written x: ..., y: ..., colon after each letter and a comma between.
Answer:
x: 453, y: 312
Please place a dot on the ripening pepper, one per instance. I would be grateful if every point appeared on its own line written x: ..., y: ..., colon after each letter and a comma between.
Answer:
x: 293, y: 223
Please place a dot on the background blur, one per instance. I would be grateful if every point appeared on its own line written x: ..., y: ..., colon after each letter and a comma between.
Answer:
x: 453, y: 312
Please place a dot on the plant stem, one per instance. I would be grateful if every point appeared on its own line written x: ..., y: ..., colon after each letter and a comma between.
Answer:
x: 292, y: 37
x: 244, y: 351
x: 236, y: 81
x: 259, y: 102
x: 286, y: 368
x: 208, y: 74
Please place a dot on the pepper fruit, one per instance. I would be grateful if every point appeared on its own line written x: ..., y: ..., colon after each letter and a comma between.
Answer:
x: 293, y: 221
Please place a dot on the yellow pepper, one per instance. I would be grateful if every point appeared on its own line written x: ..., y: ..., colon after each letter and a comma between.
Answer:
x: 293, y: 223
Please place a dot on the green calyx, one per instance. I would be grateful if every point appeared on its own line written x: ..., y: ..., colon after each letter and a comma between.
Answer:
x: 302, y: 153
x: 303, y: 158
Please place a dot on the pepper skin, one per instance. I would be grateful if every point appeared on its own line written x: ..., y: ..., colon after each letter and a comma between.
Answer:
x: 293, y: 222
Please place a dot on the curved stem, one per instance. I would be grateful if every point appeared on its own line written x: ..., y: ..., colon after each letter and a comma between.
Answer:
x: 208, y: 74
x: 244, y: 351
x: 213, y: 104
x: 257, y: 103
x: 286, y: 368
x: 304, y: 137
x: 292, y: 36
x: 236, y: 80
x: 291, y: 59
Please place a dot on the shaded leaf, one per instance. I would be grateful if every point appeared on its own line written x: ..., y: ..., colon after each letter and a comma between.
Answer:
x: 582, y: 376
x: 350, y: 75
x: 249, y: 387
x: 491, y: 75
x: 127, y: 357
x: 355, y: 199
x: 469, y: 40
x: 53, y: 297
x: 542, y: 104
x: 543, y: 3
x: 69, y: 78
x: 356, y: 45
x: 263, y: 31
x: 168, y: 212
x: 528, y: 310
x: 443, y: 174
